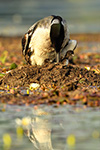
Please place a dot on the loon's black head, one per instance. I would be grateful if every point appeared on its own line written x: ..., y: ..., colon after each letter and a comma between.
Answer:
x: 57, y: 18
x: 57, y: 26
x: 57, y: 34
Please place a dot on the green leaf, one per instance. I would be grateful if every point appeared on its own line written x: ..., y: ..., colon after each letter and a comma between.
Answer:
x: 13, y: 66
x: 3, y: 57
x: 2, y: 74
x: 97, y: 56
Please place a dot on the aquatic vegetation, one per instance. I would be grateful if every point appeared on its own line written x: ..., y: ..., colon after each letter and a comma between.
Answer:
x: 71, y: 140
x: 7, y: 141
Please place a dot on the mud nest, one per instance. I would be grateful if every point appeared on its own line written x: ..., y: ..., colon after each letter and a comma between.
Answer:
x: 51, y: 74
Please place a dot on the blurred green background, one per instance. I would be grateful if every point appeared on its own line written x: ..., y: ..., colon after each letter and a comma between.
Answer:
x: 16, y: 16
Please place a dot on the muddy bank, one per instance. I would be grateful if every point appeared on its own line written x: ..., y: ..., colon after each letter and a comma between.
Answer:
x: 50, y: 75
x: 59, y: 84
x: 77, y: 83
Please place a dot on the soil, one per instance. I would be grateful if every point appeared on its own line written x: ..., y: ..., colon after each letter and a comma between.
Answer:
x: 76, y: 84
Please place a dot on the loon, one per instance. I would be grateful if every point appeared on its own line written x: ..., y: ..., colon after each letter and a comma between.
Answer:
x: 47, y: 39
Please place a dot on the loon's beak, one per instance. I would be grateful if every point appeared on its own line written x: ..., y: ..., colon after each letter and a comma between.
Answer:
x: 58, y: 57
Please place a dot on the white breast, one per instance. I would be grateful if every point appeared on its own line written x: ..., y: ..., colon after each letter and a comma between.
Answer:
x: 40, y: 41
x: 40, y: 45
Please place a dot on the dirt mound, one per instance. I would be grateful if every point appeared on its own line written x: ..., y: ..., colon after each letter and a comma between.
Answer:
x: 59, y: 84
x: 51, y: 74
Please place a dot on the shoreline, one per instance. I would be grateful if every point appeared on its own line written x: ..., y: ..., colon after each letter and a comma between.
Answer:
x: 76, y: 36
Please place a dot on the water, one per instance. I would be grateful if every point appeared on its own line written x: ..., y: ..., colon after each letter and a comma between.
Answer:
x: 86, y: 47
x: 51, y: 126
x: 17, y: 16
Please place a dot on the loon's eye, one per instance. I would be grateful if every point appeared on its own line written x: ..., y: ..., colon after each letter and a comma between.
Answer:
x: 55, y: 21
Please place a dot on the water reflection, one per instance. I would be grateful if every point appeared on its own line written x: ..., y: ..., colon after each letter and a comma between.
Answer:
x: 38, y: 129
x: 48, y: 127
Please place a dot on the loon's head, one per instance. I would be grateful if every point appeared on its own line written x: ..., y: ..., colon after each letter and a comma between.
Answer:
x: 56, y: 25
